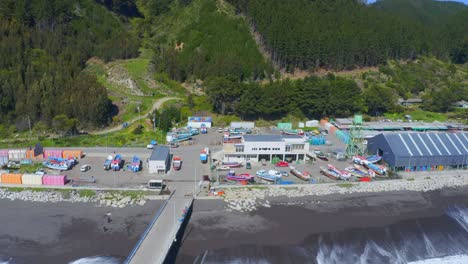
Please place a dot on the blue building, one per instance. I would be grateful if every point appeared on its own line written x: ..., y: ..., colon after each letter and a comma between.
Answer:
x: 421, y: 151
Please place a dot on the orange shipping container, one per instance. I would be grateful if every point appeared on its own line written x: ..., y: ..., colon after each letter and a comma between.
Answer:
x: 10, y: 178
x: 30, y: 155
x: 72, y: 154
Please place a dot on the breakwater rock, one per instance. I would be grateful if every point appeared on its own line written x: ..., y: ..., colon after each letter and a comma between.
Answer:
x: 249, y: 198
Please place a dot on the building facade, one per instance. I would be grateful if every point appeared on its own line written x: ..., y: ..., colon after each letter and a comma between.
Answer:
x: 421, y: 151
x: 160, y: 160
x: 266, y: 147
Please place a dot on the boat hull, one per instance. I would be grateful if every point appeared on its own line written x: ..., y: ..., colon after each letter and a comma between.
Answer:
x: 329, y: 174
x: 300, y: 175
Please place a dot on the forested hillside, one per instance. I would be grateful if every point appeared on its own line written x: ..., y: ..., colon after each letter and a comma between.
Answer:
x: 338, y: 34
x: 200, y: 39
x: 44, y: 45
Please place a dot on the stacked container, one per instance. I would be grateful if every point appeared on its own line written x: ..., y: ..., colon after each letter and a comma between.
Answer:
x: 77, y: 154
x: 32, y: 179
x: 11, y: 178
x: 17, y: 154
x: 55, y: 180
x: 53, y: 153
x: 30, y: 155
x: 3, y: 156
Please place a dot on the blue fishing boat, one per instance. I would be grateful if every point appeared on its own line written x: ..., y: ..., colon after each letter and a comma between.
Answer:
x: 380, y: 171
x: 58, y: 164
x: 135, y: 166
x: 374, y: 159
x: 271, y: 175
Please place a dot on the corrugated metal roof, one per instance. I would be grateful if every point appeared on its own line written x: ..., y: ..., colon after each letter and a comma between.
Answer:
x: 427, y: 144
x: 159, y: 153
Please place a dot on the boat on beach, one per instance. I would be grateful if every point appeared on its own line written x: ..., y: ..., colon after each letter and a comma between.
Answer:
x: 177, y: 162
x: 271, y: 175
x: 379, y: 170
x: 374, y: 159
x: 232, y: 164
x: 344, y: 175
x: 320, y: 155
x: 330, y: 174
x: 232, y: 176
x: 361, y: 168
x: 57, y: 165
x: 356, y: 173
x: 116, y: 163
x: 223, y: 168
x: 305, y: 176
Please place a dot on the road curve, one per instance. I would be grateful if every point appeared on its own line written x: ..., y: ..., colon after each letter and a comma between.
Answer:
x: 157, y: 104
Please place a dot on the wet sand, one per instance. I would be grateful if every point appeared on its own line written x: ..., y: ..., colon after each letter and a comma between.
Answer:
x: 291, y: 222
x: 62, y: 232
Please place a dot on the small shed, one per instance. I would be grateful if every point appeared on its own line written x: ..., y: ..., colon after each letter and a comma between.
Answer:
x: 160, y: 160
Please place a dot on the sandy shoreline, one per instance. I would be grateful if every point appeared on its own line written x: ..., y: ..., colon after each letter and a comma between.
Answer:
x: 291, y: 220
x: 35, y: 232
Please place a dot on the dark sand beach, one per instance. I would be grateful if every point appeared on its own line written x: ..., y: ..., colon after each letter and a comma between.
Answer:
x: 33, y: 232
x: 314, y: 227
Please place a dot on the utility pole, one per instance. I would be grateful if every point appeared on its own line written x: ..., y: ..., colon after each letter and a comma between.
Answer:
x: 154, y: 122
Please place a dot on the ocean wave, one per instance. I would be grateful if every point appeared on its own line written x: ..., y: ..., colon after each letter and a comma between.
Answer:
x: 6, y: 260
x: 97, y: 260
x: 459, y: 214
x: 456, y: 259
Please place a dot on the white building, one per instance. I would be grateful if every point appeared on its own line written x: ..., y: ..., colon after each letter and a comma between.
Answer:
x: 266, y: 147
x: 160, y: 160
x: 199, y: 121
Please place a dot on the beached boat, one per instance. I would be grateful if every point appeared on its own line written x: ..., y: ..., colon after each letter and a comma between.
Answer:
x: 344, y: 175
x: 223, y: 168
x: 305, y: 176
x: 374, y: 159
x: 135, y: 166
x: 177, y: 162
x: 232, y: 176
x: 107, y: 163
x: 116, y: 164
x: 361, y: 168
x: 58, y: 164
x: 320, y: 155
x: 294, y: 132
x: 359, y: 159
x: 379, y: 170
x: 271, y: 175
x: 330, y: 174
x: 232, y: 164
x: 356, y: 173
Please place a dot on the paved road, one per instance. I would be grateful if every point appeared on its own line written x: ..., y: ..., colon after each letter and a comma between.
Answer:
x: 157, y: 104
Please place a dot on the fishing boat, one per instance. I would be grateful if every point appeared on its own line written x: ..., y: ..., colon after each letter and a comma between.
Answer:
x: 374, y: 159
x: 361, y: 168
x: 116, y: 163
x: 107, y: 163
x: 355, y: 172
x: 223, y: 168
x: 135, y: 166
x: 232, y: 176
x: 228, y: 136
x: 359, y: 159
x: 293, y: 132
x: 379, y: 170
x: 330, y: 174
x: 232, y: 164
x: 58, y: 164
x: 271, y: 175
x: 305, y: 176
x: 344, y: 175
x: 177, y: 162
x: 320, y: 155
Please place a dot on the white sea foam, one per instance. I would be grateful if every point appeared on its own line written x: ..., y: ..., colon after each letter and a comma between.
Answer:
x: 96, y: 260
x: 460, y: 215
x: 455, y: 259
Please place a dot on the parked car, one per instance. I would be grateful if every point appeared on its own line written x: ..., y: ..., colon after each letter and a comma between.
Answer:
x: 220, y: 130
x: 150, y: 146
x: 282, y: 164
x: 85, y: 168
x: 248, y: 165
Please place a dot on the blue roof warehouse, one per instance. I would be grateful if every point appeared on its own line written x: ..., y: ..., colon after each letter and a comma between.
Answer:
x: 421, y: 151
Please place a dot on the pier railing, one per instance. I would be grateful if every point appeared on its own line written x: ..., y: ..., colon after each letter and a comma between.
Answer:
x: 147, y: 230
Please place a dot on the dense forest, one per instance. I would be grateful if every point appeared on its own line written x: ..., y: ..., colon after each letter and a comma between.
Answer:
x: 311, y: 97
x: 200, y: 39
x: 44, y: 47
x: 342, y: 34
